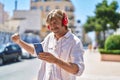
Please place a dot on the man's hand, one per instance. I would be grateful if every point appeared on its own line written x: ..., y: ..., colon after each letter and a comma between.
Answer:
x: 47, y: 57
x: 16, y: 38
x: 70, y: 67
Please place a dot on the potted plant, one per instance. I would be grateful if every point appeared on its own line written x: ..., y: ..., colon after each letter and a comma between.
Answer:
x: 111, y: 51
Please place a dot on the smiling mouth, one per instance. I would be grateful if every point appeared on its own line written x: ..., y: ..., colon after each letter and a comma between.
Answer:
x: 54, y: 29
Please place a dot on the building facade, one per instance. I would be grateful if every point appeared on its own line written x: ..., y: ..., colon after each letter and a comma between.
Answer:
x: 3, y: 14
x: 47, y: 5
x: 28, y: 21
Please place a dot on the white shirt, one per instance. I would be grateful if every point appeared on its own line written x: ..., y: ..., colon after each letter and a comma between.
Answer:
x: 68, y: 48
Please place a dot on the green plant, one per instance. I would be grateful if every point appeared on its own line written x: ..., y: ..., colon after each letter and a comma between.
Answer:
x: 104, y: 51
x: 112, y: 42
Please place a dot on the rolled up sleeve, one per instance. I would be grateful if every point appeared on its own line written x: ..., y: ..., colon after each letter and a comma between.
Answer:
x: 77, y: 57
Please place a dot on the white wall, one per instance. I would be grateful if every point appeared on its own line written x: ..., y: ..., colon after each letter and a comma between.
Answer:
x: 29, y: 20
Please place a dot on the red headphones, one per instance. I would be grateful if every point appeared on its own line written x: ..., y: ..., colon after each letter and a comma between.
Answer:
x: 64, y: 21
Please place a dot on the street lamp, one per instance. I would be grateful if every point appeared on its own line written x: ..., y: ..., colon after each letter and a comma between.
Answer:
x: 119, y: 23
x: 108, y: 25
x: 78, y: 21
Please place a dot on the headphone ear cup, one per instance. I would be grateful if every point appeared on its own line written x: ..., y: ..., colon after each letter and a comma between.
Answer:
x: 48, y: 27
x: 65, y: 20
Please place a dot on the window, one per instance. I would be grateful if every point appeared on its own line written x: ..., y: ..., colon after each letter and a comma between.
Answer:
x: 71, y: 17
x: 9, y: 48
x: 41, y: 8
x: 71, y: 9
x: 57, y: 7
x: 47, y: 8
x: 14, y: 48
x: 34, y: 0
x: 67, y: 8
x: 33, y: 7
x: 58, y: 0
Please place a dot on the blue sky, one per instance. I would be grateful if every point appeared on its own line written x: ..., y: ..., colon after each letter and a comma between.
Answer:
x: 83, y: 8
x: 86, y: 8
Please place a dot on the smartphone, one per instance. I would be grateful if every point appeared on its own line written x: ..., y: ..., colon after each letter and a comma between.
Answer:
x: 38, y: 48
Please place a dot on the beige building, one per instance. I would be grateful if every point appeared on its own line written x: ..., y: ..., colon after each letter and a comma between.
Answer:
x: 3, y: 14
x: 47, y: 5
x: 3, y: 19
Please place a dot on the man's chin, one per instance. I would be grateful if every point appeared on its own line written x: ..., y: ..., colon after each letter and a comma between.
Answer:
x: 55, y: 31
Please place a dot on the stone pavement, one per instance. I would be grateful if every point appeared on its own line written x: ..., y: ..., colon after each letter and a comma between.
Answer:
x: 95, y: 69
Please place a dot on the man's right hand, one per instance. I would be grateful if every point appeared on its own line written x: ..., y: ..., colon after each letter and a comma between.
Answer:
x: 16, y: 38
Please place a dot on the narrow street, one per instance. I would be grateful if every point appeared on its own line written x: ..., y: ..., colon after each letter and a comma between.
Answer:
x: 95, y: 69
x: 24, y: 70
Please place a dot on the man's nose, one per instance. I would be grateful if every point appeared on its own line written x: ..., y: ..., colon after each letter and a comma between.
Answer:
x: 53, y: 24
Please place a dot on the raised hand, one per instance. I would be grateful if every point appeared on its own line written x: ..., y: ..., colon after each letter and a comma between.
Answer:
x: 15, y: 38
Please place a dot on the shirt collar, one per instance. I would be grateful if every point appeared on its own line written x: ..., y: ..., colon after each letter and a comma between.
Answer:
x: 67, y: 34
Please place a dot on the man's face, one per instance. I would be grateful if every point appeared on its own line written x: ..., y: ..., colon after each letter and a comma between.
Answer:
x: 56, y: 25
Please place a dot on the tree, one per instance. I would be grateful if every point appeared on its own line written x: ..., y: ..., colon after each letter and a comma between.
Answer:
x: 104, y: 14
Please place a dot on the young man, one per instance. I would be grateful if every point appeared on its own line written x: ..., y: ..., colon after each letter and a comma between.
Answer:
x: 62, y: 58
